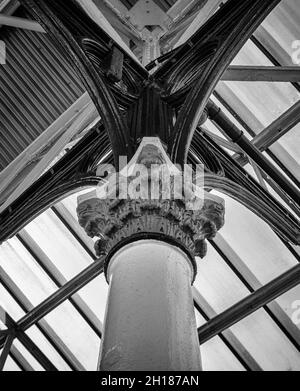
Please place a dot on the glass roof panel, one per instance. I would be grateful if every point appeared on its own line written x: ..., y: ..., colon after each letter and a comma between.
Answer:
x: 289, y: 153
x: 257, y: 103
x: 255, y: 242
x: 28, y: 356
x: 221, y: 288
x: 214, y: 279
x: 40, y: 340
x: 290, y: 303
x: 10, y: 365
x: 248, y: 167
x: 216, y: 356
x: 82, y: 341
x: 267, y: 101
x: 280, y: 29
x: 9, y: 304
x: 96, y: 302
x: 26, y: 274
x: 59, y: 244
x: 251, y: 55
x: 258, y: 330
x: 240, y: 106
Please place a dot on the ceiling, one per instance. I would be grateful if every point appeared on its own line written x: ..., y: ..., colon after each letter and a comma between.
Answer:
x: 42, y: 95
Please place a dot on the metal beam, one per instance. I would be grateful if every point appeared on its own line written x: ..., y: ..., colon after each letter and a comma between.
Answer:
x: 222, y: 141
x: 178, y: 18
x: 239, y: 21
x: 206, y: 11
x: 116, y: 15
x: 228, y: 337
x: 8, y: 7
x: 262, y: 73
x: 97, y: 16
x: 43, y: 326
x: 26, y: 341
x: 237, y: 136
x: 187, y: 21
x: 35, y: 351
x: 64, y: 133
x: 264, y: 141
x: 180, y: 8
x: 58, y: 278
x: 260, y: 38
x: 36, y: 314
x: 21, y: 23
x: 250, y: 304
x: 278, y: 128
x: 4, y: 4
x: 60, y: 295
x: 259, y: 174
x: 81, y: 106
x: 240, y: 268
x: 20, y: 360
x: 6, y: 349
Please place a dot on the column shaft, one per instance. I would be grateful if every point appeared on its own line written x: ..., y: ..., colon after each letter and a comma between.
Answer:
x: 150, y: 321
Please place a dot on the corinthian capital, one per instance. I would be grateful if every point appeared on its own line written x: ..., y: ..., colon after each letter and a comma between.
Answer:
x: 151, y: 198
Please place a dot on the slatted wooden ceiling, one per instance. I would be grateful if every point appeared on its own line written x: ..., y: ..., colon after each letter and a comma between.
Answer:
x: 37, y: 87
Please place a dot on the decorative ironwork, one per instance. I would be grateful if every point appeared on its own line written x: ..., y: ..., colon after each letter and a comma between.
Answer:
x: 127, y: 220
x: 165, y: 206
x: 168, y: 104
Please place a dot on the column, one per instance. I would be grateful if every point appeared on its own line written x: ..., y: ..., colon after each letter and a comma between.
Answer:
x: 150, y: 237
x: 150, y: 321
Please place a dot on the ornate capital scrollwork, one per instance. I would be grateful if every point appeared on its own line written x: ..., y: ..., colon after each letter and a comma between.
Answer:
x: 113, y: 222
x: 116, y: 220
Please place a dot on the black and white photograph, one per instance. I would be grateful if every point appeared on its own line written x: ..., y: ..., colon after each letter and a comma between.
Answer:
x: 149, y: 191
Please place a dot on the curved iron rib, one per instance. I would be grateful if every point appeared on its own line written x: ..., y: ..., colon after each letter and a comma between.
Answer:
x: 46, y: 13
x: 231, y: 26
x: 255, y: 204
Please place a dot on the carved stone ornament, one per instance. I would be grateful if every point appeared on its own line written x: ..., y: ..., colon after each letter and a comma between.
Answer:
x: 153, y: 204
